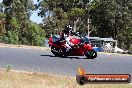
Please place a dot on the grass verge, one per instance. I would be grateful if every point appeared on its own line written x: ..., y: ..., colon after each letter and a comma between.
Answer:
x: 24, y: 46
x: 119, y: 54
x: 15, y: 79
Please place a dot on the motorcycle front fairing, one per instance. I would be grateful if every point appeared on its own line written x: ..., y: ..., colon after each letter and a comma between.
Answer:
x: 79, y: 49
x: 76, y: 51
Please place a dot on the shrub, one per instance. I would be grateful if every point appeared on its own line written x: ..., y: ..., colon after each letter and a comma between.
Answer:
x: 10, y: 37
x: 35, y: 35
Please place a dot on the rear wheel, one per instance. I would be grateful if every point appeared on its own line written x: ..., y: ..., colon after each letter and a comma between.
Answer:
x: 57, y: 52
x: 54, y: 51
x: 91, y: 54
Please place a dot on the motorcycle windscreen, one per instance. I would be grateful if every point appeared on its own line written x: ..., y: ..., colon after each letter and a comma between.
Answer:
x: 55, y: 39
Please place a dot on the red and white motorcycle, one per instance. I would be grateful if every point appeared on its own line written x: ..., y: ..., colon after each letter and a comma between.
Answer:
x: 81, y: 47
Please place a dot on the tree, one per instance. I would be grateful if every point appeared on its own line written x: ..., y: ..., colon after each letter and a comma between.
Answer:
x: 2, y: 19
x: 112, y: 19
x: 35, y: 35
x: 124, y: 36
x: 75, y: 15
x: 71, y: 10
x: 109, y: 18
x: 19, y: 28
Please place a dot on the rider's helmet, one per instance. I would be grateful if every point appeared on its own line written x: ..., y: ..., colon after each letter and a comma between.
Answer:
x: 67, y: 29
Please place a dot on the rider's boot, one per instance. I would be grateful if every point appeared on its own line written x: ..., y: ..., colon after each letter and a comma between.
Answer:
x: 68, y: 49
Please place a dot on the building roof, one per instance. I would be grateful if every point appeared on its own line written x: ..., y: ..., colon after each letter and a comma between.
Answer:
x: 103, y: 39
x: 96, y: 38
x: 108, y: 39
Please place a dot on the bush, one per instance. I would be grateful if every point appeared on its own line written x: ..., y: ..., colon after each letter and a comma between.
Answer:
x: 35, y: 35
x: 10, y: 37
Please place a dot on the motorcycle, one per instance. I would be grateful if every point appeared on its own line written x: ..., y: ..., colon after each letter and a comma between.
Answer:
x: 81, y: 47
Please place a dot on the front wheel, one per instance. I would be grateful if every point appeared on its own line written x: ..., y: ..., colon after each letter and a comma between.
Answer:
x: 91, y: 54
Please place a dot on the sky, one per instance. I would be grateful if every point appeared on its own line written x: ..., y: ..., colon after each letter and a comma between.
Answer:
x: 34, y: 17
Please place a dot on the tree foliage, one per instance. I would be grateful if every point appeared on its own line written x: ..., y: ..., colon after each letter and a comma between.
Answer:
x: 110, y: 18
x: 63, y: 11
x: 18, y: 27
x: 113, y: 19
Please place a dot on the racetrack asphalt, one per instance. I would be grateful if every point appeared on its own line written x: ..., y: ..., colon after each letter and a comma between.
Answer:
x: 44, y: 61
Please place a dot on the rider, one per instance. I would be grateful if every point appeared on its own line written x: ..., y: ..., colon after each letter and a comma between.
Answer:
x: 64, y: 36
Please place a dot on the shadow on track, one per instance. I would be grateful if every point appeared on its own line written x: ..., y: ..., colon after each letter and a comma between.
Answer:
x: 70, y: 57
